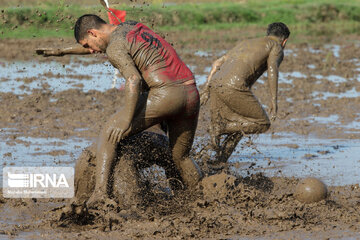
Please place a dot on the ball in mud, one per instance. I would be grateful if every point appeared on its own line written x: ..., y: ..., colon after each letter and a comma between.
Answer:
x: 310, y: 190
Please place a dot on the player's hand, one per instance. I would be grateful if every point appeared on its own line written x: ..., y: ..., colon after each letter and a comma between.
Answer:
x: 273, y: 112
x: 116, y: 133
x: 46, y: 52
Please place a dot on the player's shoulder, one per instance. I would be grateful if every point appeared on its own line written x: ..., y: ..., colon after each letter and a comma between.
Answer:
x: 123, y: 29
x: 117, y: 34
x: 115, y: 46
x: 251, y: 42
x: 271, y: 42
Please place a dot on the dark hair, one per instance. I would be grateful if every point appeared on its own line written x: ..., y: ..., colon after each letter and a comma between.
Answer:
x: 278, y: 29
x: 86, y: 22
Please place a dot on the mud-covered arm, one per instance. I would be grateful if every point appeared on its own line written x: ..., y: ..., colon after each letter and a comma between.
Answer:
x: 120, y: 59
x: 275, y: 58
x: 204, y: 96
x: 78, y: 50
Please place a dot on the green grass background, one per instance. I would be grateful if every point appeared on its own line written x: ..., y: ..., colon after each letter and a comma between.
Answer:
x: 304, y: 17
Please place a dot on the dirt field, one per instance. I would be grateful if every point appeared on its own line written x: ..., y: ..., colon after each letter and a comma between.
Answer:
x: 52, y: 108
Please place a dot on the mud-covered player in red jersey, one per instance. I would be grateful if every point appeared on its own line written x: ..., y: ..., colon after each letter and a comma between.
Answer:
x: 146, y: 61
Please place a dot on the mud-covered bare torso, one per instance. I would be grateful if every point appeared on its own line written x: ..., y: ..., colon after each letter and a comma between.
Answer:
x: 246, y: 62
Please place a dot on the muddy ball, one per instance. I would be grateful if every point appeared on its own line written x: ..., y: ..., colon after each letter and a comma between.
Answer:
x: 310, y: 190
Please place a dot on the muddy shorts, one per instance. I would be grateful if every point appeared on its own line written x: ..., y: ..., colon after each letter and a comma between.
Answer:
x: 237, y: 105
x: 176, y: 105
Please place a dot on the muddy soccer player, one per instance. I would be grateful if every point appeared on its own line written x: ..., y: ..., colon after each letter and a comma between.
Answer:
x: 146, y: 61
x: 235, y: 111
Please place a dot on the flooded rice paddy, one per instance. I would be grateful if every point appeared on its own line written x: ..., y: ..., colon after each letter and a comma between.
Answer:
x: 51, y: 110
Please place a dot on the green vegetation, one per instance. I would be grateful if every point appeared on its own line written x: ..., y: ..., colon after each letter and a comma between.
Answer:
x: 313, y: 18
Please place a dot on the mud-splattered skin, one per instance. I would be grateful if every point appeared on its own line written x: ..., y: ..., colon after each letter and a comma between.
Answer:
x: 235, y: 111
x: 247, y: 61
x: 159, y: 64
x: 147, y: 61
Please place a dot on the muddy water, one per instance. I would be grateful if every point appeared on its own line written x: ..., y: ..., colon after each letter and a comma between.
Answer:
x: 30, y: 151
x: 335, y: 161
x: 50, y: 111
x: 24, y: 77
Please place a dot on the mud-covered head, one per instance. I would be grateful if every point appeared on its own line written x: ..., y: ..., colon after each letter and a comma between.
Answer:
x: 92, y: 32
x: 280, y: 30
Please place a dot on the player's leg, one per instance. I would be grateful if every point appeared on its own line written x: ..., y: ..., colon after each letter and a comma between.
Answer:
x: 224, y: 151
x: 228, y: 146
x: 217, y: 121
x: 225, y: 148
x: 106, y: 150
x: 233, y: 113
x: 181, y: 135
x: 182, y: 128
x: 247, y: 115
x: 248, y: 125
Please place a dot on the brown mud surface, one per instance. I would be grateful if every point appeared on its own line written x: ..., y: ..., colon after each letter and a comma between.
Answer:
x: 224, y: 207
x: 318, y: 96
